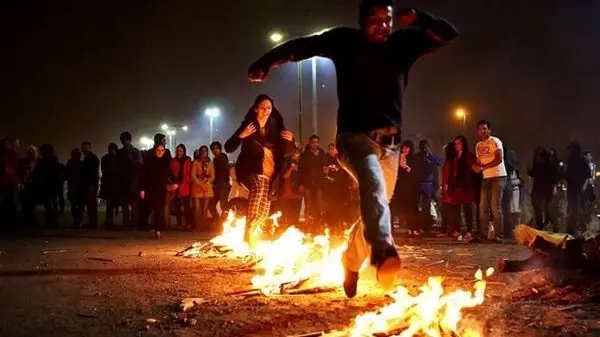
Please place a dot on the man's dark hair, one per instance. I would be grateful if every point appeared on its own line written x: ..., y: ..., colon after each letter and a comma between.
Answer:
x: 125, y: 136
x: 158, y: 138
x: 423, y: 142
x: 314, y: 137
x: 365, y: 6
x: 586, y: 153
x: 86, y: 143
x: 331, y: 144
x: 216, y: 144
x: 484, y: 122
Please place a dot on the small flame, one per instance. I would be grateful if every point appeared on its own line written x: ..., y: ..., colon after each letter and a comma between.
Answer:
x: 432, y: 313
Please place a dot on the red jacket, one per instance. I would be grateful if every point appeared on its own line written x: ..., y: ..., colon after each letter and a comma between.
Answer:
x: 459, y: 190
x: 184, y: 180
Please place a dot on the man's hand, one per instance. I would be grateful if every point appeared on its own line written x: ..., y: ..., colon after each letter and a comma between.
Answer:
x: 250, y: 129
x: 287, y: 135
x: 257, y: 74
x: 406, y: 16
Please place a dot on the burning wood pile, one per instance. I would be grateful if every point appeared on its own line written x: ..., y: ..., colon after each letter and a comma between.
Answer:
x: 293, y: 263
x: 296, y: 263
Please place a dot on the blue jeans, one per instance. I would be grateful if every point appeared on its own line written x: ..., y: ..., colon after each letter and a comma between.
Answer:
x: 492, y: 190
x: 375, y: 167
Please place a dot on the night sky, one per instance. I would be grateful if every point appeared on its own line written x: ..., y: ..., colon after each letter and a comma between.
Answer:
x: 88, y: 70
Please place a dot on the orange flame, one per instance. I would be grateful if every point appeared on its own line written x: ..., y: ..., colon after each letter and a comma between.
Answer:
x: 433, y: 312
x: 291, y: 258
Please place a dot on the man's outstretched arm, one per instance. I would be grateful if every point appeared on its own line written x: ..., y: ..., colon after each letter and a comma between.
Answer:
x: 296, y: 50
x: 434, y: 32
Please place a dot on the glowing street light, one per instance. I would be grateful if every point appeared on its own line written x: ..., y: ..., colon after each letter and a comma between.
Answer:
x: 212, y: 113
x: 461, y: 114
x: 276, y: 37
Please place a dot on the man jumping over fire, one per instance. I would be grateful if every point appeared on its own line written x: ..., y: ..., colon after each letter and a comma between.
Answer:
x: 372, y: 65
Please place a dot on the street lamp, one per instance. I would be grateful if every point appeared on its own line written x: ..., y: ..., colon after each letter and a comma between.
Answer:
x: 212, y: 113
x: 461, y: 114
x: 146, y: 143
x: 277, y: 38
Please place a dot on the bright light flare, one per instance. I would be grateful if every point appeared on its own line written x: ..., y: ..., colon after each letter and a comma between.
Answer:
x: 460, y: 113
x: 276, y: 37
x: 146, y: 142
x: 165, y: 127
x: 212, y: 112
x: 184, y: 128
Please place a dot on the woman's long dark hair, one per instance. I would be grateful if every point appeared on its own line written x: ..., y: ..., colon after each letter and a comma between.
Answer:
x: 410, y: 145
x: 274, y: 123
x: 463, y: 164
x: 540, y: 153
x: 207, y: 151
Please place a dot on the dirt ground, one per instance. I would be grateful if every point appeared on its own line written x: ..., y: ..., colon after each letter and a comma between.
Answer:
x: 68, y: 293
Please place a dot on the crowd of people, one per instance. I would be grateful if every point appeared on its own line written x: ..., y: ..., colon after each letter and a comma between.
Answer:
x: 149, y: 187
x: 486, y: 184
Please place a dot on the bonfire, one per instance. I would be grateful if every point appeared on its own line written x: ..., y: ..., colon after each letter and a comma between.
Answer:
x: 291, y: 261
x: 432, y: 313
x: 296, y: 260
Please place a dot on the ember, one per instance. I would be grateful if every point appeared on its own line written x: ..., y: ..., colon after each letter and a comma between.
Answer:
x: 432, y: 313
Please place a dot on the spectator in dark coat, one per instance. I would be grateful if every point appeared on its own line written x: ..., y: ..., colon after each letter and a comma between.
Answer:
x: 129, y: 162
x: 109, y: 187
x: 75, y: 186
x: 312, y: 178
x: 156, y: 182
x: 91, y: 180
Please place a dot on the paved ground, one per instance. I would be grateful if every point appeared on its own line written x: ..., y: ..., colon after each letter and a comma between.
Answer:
x: 68, y: 294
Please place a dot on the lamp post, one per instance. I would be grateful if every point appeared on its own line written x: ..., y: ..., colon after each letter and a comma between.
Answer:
x: 212, y: 113
x: 171, y: 132
x: 461, y: 114
x: 277, y: 38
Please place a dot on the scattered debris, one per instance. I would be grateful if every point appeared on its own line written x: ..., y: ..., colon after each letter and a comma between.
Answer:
x: 87, y: 315
x: 436, y: 263
x: 151, y: 320
x: 100, y: 259
x: 191, y: 302
x: 206, y: 249
x: 310, y: 334
x: 53, y: 251
x: 192, y: 322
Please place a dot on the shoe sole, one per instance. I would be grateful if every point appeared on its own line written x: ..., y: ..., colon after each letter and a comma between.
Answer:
x: 388, y: 273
